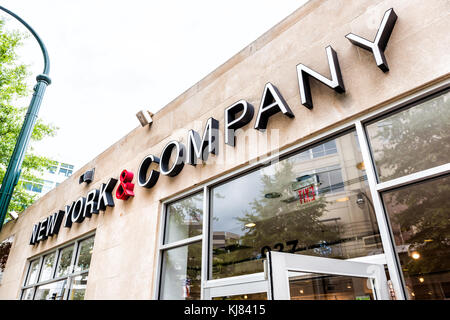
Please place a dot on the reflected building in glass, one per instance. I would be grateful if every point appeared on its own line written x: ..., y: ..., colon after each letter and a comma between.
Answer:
x: 315, y: 202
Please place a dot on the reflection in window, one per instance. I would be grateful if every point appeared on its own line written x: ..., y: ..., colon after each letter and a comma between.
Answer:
x: 47, y: 267
x: 181, y: 273
x: 423, y: 129
x: 85, y: 254
x: 78, y: 288
x: 420, y: 219
x: 51, y: 291
x: 329, y: 287
x: 184, y: 218
x: 65, y: 261
x: 248, y: 296
x: 324, y: 149
x: 321, y: 206
x: 27, y: 294
x: 52, y: 169
x: 65, y: 280
x: 34, y: 271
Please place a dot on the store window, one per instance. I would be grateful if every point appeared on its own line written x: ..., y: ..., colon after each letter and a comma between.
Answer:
x: 420, y: 219
x: 406, y: 143
x: 412, y: 140
x: 316, y: 202
x: 184, y: 219
x: 181, y: 264
x: 61, y: 274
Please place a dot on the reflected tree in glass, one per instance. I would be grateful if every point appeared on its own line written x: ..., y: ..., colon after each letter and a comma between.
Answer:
x: 280, y: 223
x: 47, y: 267
x: 181, y: 273
x: 184, y: 218
x: 33, y: 273
x: 78, y: 289
x: 420, y: 217
x: 85, y: 254
x: 65, y: 259
x: 412, y: 140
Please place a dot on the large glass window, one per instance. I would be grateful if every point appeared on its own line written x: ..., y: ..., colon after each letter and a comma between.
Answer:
x: 420, y: 219
x: 316, y: 202
x: 64, y: 262
x: 412, y: 140
x: 407, y: 142
x: 181, y: 265
x: 62, y: 273
x: 184, y: 219
x: 84, y: 255
x: 181, y: 273
x: 47, y: 267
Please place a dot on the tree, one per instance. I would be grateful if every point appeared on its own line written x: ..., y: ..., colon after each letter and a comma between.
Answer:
x: 13, y: 76
x: 408, y: 142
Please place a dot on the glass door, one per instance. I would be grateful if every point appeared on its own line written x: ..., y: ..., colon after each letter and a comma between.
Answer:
x: 251, y: 287
x: 301, y: 277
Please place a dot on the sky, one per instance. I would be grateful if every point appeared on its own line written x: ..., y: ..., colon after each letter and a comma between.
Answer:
x: 110, y: 59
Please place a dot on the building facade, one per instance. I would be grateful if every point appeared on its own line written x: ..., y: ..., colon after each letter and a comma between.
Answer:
x: 50, y: 179
x: 312, y: 165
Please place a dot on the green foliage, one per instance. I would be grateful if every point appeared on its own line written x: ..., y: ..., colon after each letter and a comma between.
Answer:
x: 410, y: 141
x: 13, y: 76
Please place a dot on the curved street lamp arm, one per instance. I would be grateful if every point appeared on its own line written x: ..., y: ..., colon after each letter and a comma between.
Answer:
x: 41, y: 44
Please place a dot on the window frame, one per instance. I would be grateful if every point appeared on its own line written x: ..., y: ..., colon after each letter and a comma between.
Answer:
x: 357, y: 124
x: 179, y: 243
x: 69, y: 277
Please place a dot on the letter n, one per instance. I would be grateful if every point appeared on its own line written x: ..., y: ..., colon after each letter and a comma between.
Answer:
x: 35, y: 233
x: 304, y: 73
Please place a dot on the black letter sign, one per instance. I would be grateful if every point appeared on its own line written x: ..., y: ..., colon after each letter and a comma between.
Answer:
x: 381, y: 39
x: 197, y: 149
x: 271, y: 103
x: 336, y: 83
x: 142, y: 173
x: 231, y: 123
x: 178, y: 163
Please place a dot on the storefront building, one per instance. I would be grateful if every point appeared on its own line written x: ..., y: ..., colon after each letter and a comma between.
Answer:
x: 314, y: 164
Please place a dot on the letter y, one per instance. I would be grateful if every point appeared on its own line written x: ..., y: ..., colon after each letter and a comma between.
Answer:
x: 381, y: 39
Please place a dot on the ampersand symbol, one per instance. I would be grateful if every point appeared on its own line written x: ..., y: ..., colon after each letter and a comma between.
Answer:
x: 125, y: 189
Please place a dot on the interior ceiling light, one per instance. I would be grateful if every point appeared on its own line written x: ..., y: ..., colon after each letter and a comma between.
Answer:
x: 272, y: 195
x: 361, y: 166
x: 415, y: 255
x: 342, y: 199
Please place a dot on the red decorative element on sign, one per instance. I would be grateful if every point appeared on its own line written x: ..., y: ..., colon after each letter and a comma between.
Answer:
x: 126, y: 188
x: 307, y: 194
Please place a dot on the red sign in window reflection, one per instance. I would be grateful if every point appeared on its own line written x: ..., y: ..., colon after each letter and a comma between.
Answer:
x: 307, y: 194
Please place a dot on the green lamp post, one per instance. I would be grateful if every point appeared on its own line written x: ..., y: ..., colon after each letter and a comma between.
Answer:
x: 15, y: 163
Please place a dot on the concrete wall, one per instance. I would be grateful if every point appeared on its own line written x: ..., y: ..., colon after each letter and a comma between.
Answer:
x: 123, y: 260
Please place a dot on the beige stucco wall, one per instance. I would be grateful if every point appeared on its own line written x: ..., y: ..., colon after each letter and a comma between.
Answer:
x: 123, y: 260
